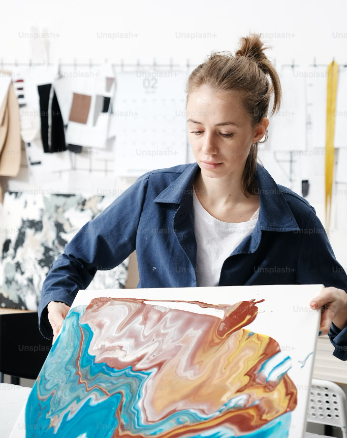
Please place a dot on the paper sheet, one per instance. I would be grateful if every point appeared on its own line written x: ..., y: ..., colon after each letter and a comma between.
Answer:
x: 149, y: 121
x: 41, y: 165
x: 340, y: 140
x: 341, y: 166
x: 277, y: 172
x: 287, y: 129
x: 316, y: 106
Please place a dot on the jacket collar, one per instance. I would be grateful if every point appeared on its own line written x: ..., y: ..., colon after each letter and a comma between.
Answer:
x: 274, y: 213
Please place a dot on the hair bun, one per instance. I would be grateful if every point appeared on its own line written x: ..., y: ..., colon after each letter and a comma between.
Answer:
x: 253, y: 48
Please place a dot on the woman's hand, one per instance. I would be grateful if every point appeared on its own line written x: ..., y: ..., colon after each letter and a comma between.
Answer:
x: 333, y: 304
x: 57, y: 312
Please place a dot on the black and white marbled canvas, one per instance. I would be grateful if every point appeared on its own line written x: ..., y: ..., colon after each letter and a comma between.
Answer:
x: 34, y: 230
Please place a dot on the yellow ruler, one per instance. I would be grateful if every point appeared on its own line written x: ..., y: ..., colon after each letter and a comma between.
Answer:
x: 333, y: 70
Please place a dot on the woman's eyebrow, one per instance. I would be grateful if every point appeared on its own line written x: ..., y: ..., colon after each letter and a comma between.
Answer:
x: 218, y: 124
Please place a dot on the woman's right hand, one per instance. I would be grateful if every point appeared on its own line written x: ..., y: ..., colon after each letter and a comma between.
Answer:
x: 57, y: 312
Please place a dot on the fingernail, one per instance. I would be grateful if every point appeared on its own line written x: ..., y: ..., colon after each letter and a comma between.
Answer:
x: 314, y: 305
x: 319, y: 333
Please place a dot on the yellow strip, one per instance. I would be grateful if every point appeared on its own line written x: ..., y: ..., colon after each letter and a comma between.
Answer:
x: 333, y: 70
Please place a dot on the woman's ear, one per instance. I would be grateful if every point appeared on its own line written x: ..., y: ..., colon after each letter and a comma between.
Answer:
x: 261, y: 129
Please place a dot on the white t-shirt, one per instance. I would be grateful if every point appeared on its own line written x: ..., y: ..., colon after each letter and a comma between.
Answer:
x: 216, y: 240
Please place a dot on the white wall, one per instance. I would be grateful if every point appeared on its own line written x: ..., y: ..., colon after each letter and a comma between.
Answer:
x: 305, y: 28
x: 128, y: 31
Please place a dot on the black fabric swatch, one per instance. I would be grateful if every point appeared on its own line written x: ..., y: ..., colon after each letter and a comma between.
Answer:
x: 58, y: 143
x: 106, y: 104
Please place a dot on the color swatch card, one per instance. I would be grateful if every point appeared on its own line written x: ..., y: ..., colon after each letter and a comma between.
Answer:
x: 26, y: 81
x: 210, y: 362
x: 149, y: 121
x: 86, y: 96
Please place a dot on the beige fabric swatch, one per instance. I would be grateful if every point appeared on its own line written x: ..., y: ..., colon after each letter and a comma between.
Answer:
x: 10, y: 157
x: 3, y: 124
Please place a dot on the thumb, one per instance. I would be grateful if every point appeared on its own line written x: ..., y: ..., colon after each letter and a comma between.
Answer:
x: 56, y: 325
x: 327, y: 318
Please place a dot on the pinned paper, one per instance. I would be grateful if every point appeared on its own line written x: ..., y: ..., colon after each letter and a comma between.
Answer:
x: 29, y: 123
x: 64, y: 90
x: 102, y: 104
x: 288, y: 126
x: 149, y: 121
x: 92, y: 129
x: 340, y: 140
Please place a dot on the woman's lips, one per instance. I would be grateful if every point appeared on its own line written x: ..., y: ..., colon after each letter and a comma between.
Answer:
x: 209, y: 165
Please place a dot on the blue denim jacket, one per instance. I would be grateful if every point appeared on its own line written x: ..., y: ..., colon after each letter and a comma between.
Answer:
x: 155, y: 216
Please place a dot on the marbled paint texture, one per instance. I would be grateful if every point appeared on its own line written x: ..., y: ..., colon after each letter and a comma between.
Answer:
x: 127, y: 368
x: 35, y: 229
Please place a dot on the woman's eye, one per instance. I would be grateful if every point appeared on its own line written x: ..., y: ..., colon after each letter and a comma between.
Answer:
x: 200, y: 132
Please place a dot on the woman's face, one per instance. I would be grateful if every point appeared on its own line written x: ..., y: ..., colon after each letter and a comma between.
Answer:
x: 220, y: 131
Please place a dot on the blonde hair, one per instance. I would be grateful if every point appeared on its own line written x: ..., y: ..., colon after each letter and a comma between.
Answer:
x: 245, y: 72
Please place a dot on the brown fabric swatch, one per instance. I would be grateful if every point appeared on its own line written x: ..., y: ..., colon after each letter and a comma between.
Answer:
x: 80, y: 108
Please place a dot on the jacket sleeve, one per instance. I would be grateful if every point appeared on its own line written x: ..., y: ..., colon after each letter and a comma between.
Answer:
x: 101, y: 244
x: 317, y: 264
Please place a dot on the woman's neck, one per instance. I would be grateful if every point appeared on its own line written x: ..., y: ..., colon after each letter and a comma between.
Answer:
x: 224, y: 199
x: 220, y: 192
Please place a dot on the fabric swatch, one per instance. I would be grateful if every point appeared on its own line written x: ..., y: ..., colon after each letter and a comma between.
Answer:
x: 80, y: 108
x: 106, y: 104
x: 11, y: 149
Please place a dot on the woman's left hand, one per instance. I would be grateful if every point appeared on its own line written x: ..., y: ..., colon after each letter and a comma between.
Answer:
x: 333, y: 304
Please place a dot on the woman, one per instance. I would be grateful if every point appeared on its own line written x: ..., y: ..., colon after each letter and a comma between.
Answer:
x: 221, y: 221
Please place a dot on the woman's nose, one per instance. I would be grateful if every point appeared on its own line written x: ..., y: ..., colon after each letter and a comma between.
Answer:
x: 209, y: 146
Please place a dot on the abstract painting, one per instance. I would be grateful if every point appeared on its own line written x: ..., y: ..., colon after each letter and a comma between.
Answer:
x: 137, y: 367
x: 35, y: 229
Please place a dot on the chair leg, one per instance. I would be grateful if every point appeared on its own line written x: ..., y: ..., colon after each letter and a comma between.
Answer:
x: 15, y: 380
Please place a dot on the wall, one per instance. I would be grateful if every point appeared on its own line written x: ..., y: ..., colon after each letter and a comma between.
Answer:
x: 175, y: 32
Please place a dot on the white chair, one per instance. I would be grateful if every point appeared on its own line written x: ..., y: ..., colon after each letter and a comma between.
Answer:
x: 327, y: 405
